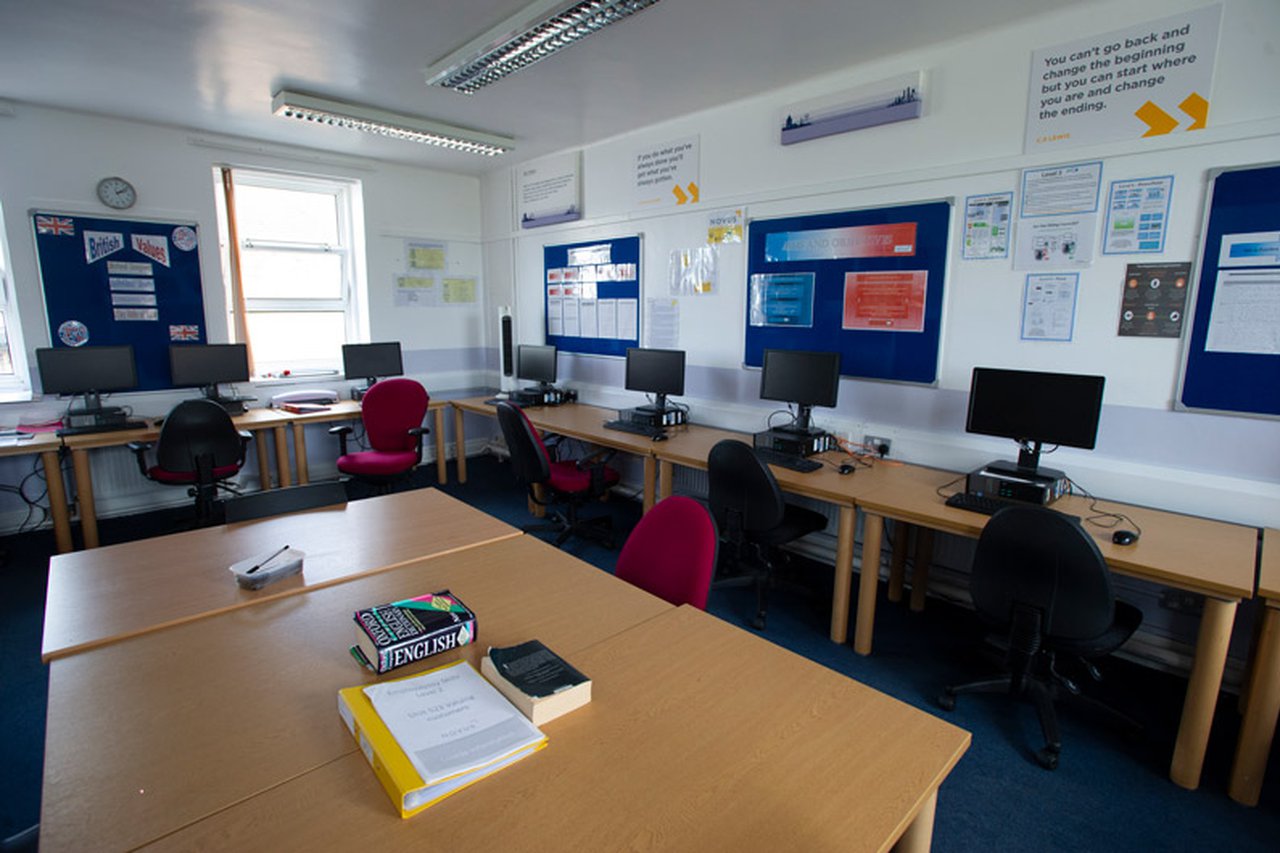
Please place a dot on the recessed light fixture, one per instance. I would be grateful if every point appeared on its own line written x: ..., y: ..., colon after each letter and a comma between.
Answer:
x: 534, y: 33
x: 309, y: 108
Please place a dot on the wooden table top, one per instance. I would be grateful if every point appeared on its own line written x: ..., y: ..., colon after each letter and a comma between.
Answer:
x: 150, y: 734
x: 102, y: 595
x: 1185, y: 551
x: 576, y: 420
x: 699, y: 736
x: 1269, y: 573
x: 38, y: 443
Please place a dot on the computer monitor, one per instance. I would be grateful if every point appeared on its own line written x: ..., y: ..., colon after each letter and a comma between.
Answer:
x: 86, y: 371
x: 1035, y: 409
x: 655, y: 371
x: 805, y: 378
x: 536, y: 363
x: 372, y: 361
x: 204, y: 366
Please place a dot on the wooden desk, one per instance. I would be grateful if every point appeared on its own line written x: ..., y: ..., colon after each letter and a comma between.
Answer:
x: 1212, y: 558
x: 575, y: 420
x: 676, y: 751
x: 48, y: 445
x: 349, y: 410
x: 148, y: 735
x: 1263, y: 704
x: 101, y: 596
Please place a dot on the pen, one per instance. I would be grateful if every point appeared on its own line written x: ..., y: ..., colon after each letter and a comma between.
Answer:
x: 268, y: 560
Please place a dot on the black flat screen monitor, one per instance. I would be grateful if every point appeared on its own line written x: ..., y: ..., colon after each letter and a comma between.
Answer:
x: 371, y: 361
x: 87, y: 370
x: 655, y: 371
x: 807, y: 379
x: 1035, y: 408
x: 536, y: 363
x: 206, y: 365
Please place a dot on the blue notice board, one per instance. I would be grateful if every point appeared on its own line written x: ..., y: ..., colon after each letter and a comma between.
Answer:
x: 1231, y: 359
x: 867, y: 284
x: 121, y: 281
x: 591, y: 295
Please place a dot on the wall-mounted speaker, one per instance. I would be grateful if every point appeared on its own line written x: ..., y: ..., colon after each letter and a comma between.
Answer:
x: 506, y: 349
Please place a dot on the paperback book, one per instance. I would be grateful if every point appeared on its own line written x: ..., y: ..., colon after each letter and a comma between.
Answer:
x: 400, y: 632
x: 537, y: 680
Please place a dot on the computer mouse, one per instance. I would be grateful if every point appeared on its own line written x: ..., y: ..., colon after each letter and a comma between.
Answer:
x: 1124, y: 537
x: 662, y: 436
x: 846, y: 468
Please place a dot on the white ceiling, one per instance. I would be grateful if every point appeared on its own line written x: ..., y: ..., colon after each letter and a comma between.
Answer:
x: 213, y: 65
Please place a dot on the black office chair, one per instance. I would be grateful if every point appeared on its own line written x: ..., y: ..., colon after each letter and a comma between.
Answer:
x: 754, y: 521
x: 280, y: 501
x: 1040, y: 580
x: 199, y: 448
x: 571, y: 483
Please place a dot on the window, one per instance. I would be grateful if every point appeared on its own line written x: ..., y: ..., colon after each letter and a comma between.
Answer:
x: 300, y: 269
x: 15, y: 383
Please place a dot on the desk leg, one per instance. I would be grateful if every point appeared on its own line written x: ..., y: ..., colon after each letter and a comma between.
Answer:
x: 920, y: 576
x: 459, y: 445
x: 898, y: 566
x: 300, y: 452
x: 282, y: 456
x: 666, y: 478
x: 442, y: 463
x: 1259, y: 726
x: 650, y: 475
x: 1202, y: 692
x: 918, y: 836
x: 84, y: 497
x: 843, y: 580
x: 872, y: 534
x: 264, y: 461
x: 57, y: 501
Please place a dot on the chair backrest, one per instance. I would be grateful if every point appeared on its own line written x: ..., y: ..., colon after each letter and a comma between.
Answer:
x: 742, y: 491
x: 672, y: 552
x: 529, y: 456
x: 279, y: 501
x: 1033, y: 557
x: 196, y: 428
x: 390, y: 408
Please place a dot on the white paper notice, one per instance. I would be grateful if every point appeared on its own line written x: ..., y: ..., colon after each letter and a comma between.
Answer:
x: 1046, y: 244
x: 628, y: 318
x: 1058, y: 190
x: 1049, y: 307
x: 587, y: 318
x: 607, y: 317
x: 662, y: 323
x: 987, y: 222
x: 555, y: 315
x: 1246, y: 313
x: 572, y: 319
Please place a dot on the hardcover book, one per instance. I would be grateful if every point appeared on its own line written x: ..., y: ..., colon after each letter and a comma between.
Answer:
x: 431, y: 735
x: 400, y: 632
x: 537, y: 680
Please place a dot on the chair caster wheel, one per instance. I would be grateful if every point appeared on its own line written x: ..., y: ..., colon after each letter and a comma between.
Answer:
x: 947, y: 701
x: 1048, y: 758
x: 758, y: 623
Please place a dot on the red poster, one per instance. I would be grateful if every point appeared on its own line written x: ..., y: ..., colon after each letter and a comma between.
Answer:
x: 885, y: 301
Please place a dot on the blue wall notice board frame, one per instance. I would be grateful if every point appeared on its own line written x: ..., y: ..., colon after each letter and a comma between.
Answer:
x: 121, y: 281
x: 600, y: 276
x: 867, y: 284
x: 1231, y: 359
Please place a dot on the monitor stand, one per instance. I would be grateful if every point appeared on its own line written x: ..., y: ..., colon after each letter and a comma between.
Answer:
x: 234, y: 404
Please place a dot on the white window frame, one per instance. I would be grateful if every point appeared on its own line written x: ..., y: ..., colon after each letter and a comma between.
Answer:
x: 14, y: 388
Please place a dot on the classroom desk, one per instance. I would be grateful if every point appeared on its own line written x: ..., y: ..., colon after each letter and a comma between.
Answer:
x: 1263, y: 703
x: 1212, y: 558
x: 675, y: 751
x: 575, y: 420
x: 104, y: 595
x: 150, y: 734
x: 48, y: 445
x: 349, y: 410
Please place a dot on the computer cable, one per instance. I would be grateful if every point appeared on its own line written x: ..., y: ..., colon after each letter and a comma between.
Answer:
x: 1105, y: 519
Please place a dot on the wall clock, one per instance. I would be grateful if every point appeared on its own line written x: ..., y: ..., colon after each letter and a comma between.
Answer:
x: 117, y: 193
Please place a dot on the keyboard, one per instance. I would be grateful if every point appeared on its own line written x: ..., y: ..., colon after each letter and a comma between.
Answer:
x: 634, y: 428
x: 988, y: 505
x: 115, y: 427
x: 787, y: 460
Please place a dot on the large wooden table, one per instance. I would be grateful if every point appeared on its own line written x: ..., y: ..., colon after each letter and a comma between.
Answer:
x: 103, y: 595
x: 224, y: 733
x: 1262, y: 705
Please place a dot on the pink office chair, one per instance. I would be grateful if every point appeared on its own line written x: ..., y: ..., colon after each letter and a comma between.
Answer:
x: 392, y: 411
x: 672, y: 552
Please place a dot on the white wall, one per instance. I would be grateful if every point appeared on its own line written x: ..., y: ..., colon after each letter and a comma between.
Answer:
x: 52, y: 160
x: 968, y: 141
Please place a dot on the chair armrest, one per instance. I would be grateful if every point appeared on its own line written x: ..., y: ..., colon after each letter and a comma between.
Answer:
x: 140, y: 449
x: 341, y: 432
x: 418, y: 432
x: 245, y: 435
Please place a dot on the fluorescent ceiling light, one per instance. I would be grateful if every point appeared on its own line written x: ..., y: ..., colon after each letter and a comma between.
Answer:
x: 534, y: 33
x: 395, y: 125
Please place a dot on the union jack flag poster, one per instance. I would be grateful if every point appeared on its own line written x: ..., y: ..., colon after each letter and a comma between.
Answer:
x: 184, y: 333
x: 56, y: 225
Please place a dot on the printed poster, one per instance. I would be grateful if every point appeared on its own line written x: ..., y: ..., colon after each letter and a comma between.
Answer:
x: 1137, y: 215
x: 885, y: 301
x: 987, y: 223
x: 1154, y: 301
x: 1049, y: 307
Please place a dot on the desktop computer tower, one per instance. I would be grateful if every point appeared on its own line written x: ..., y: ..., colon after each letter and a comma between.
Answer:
x: 793, y: 443
x: 1005, y: 480
x: 646, y: 416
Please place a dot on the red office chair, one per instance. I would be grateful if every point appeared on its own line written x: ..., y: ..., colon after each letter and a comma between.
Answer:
x: 672, y: 552
x: 392, y: 411
x: 199, y: 448
x: 572, y: 483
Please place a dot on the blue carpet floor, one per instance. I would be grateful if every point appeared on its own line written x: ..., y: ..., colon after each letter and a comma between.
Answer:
x: 1111, y: 791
